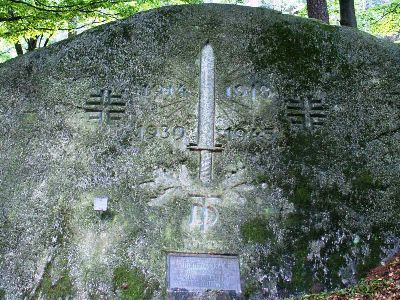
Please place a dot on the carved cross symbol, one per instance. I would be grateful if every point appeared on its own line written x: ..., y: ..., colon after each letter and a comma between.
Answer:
x: 105, y: 107
x: 306, y: 113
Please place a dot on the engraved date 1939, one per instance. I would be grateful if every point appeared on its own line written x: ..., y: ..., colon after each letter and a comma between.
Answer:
x: 159, y: 131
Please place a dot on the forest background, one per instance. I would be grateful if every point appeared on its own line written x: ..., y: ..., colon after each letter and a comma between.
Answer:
x: 26, y: 25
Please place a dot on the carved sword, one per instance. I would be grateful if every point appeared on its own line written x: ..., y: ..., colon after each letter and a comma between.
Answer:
x: 206, y: 116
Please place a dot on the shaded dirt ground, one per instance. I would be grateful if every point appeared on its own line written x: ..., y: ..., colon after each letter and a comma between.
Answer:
x: 382, y: 283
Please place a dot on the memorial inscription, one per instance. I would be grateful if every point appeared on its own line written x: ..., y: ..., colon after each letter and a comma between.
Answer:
x: 176, y: 132
x: 239, y: 133
x: 159, y: 131
x: 214, y: 129
x: 247, y: 91
x: 204, y: 196
x: 200, y: 272
x: 168, y: 89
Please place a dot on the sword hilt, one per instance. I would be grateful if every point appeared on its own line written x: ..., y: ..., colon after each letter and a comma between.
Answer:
x: 196, y: 147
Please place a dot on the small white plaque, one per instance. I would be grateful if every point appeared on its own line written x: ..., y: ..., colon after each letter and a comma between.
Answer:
x: 100, y: 203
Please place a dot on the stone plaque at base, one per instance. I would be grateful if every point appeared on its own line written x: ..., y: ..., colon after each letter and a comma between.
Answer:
x: 201, y: 272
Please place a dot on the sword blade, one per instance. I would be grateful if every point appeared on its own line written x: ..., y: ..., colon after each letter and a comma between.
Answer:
x: 207, y: 102
x: 206, y: 112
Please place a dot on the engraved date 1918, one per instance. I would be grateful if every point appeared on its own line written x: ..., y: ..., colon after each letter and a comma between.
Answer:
x: 247, y: 91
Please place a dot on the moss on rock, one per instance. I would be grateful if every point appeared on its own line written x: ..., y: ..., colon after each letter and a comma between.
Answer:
x: 257, y: 230
x: 131, y: 284
x: 305, y: 114
x: 50, y: 289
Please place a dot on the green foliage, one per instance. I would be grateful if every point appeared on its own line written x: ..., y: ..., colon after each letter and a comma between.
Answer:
x: 382, y: 19
x: 302, y: 12
x: 4, y: 56
x: 4, y: 51
x: 131, y: 284
x: 334, y: 12
x: 30, y: 19
x: 35, y: 23
x: 2, y: 294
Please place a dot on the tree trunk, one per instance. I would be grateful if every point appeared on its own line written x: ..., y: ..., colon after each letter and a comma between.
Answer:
x: 32, y: 44
x: 318, y: 9
x: 72, y: 30
x: 18, y: 48
x: 347, y: 13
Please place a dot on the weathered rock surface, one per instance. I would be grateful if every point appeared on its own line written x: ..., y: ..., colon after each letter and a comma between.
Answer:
x: 305, y: 188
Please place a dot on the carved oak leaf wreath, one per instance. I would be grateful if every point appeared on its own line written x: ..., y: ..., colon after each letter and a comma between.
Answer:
x: 170, y: 185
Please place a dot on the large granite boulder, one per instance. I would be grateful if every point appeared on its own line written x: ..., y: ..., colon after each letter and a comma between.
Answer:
x: 199, y: 129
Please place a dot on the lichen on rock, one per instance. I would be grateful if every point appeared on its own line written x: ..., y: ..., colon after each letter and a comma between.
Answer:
x: 304, y: 184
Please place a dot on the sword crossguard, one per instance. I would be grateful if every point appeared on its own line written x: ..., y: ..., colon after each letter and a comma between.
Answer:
x: 195, y: 147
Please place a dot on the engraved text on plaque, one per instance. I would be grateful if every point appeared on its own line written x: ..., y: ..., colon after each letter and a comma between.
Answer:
x: 200, y: 272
